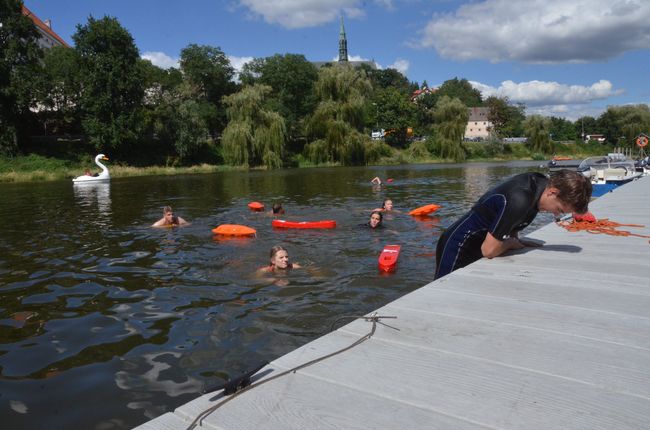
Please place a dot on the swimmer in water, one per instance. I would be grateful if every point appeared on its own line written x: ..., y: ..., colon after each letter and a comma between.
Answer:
x: 279, y: 261
x: 169, y: 219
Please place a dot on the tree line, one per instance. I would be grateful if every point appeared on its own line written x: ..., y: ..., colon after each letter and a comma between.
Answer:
x: 278, y: 110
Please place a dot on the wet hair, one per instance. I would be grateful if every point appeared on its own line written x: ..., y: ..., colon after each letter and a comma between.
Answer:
x: 573, y: 188
x: 167, y: 209
x: 383, y: 205
x: 276, y: 249
x: 277, y: 208
x: 381, y: 217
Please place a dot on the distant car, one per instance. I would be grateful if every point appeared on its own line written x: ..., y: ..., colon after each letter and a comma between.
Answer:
x: 377, y: 134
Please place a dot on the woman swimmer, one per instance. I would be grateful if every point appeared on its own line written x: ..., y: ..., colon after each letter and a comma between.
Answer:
x: 279, y: 261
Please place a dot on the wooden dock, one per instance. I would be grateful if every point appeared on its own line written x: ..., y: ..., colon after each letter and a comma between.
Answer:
x: 556, y: 337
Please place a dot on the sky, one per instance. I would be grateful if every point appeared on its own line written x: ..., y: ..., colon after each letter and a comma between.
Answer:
x: 565, y: 58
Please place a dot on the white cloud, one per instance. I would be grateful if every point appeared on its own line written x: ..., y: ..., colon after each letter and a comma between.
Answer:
x: 237, y: 63
x: 540, y: 31
x: 544, y: 93
x: 161, y: 59
x: 302, y: 13
x: 400, y: 65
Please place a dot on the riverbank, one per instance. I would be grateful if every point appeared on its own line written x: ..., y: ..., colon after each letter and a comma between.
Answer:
x: 37, y: 168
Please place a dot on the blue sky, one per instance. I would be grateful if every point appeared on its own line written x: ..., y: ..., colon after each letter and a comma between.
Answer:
x: 565, y: 58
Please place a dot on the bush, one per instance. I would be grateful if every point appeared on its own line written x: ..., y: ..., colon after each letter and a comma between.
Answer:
x: 376, y: 150
x: 418, y: 151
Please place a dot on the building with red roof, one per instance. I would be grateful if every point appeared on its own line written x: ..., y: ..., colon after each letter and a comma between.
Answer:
x: 48, y: 37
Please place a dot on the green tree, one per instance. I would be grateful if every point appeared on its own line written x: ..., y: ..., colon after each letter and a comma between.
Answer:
x: 112, y: 83
x: 562, y: 129
x: 395, y: 112
x: 388, y: 78
x: 209, y: 76
x: 498, y: 114
x: 59, y: 92
x: 586, y: 125
x: 622, y: 124
x: 451, y: 117
x: 19, y: 64
x: 292, y: 80
x: 537, y: 129
x: 335, y: 128
x: 460, y: 89
x: 254, y: 136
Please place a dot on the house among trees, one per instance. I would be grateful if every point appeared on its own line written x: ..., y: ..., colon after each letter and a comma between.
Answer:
x: 48, y: 38
x: 600, y: 138
x: 478, y: 127
x: 422, y: 92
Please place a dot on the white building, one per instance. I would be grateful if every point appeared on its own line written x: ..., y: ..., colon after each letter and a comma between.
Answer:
x: 478, y: 126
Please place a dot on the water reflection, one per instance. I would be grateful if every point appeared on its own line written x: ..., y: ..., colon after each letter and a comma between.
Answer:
x: 95, y: 195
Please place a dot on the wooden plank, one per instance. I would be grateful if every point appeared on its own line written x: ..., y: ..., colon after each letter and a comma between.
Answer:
x: 168, y: 421
x: 612, y: 366
x: 301, y: 402
x: 608, y: 327
x: 471, y: 389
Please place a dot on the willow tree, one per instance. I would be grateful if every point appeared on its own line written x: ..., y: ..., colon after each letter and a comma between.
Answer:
x: 335, y: 128
x: 254, y: 136
x: 450, y: 117
x: 537, y: 129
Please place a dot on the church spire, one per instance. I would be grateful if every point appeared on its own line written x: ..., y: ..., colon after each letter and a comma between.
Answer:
x: 343, y: 44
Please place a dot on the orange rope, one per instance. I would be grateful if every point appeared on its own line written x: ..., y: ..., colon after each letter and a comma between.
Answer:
x: 604, y: 226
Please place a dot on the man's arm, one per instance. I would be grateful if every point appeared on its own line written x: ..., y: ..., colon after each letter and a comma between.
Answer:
x: 493, y: 247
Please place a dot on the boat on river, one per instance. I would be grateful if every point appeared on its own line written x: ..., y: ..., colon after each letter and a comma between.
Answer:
x: 100, y: 177
x: 608, y: 172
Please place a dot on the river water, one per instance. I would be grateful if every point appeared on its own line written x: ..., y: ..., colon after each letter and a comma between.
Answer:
x: 106, y: 322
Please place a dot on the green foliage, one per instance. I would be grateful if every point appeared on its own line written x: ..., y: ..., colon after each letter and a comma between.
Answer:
x: 562, y: 129
x: 537, y: 129
x: 335, y: 128
x: 394, y: 111
x: 459, y: 89
x: 450, y: 121
x: 59, y: 89
x: 19, y: 56
x: 254, y: 136
x: 292, y: 79
x: 625, y: 122
x: 375, y: 150
x: 208, y: 77
x: 389, y: 78
x: 112, y: 83
x: 418, y: 151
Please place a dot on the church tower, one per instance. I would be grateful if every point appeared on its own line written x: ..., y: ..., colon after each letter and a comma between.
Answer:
x: 343, y: 44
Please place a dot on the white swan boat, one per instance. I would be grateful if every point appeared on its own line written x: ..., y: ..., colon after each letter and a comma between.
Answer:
x: 103, y: 176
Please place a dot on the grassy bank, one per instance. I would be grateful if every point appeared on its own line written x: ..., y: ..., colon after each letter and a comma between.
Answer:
x: 33, y: 168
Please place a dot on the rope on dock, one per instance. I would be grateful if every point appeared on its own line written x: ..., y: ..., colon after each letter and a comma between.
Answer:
x: 373, y: 318
x: 603, y: 225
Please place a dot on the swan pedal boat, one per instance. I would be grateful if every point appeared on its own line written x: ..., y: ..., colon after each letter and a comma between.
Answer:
x: 102, y: 177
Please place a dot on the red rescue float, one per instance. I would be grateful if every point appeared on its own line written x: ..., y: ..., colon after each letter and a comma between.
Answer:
x: 256, y: 206
x: 279, y: 223
x: 234, y: 230
x: 424, y: 210
x: 388, y: 258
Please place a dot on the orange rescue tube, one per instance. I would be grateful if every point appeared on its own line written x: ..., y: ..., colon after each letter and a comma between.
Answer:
x: 424, y: 210
x: 256, y: 206
x: 234, y: 230
x: 278, y: 223
x: 388, y: 258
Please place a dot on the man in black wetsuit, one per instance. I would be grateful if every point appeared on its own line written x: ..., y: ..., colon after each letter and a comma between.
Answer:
x: 491, y: 227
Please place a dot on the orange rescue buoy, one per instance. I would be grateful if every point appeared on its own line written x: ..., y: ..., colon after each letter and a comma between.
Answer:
x: 234, y: 230
x: 424, y: 210
x: 256, y: 206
